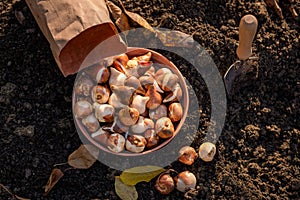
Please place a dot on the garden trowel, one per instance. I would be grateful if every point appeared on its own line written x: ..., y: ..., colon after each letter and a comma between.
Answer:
x: 247, y: 31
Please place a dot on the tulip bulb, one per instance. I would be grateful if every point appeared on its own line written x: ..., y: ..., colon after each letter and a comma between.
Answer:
x: 128, y: 116
x: 83, y: 85
x: 139, y: 102
x: 104, y: 112
x: 164, y: 184
x: 187, y: 155
x: 91, y: 123
x: 142, y: 125
x: 135, y: 143
x: 116, y: 142
x: 164, y: 128
x: 115, y: 102
x: 155, y: 98
x: 159, y: 112
x: 100, y: 94
x: 175, y: 112
x: 100, y: 136
x: 152, y: 138
x: 207, y: 151
x: 123, y: 93
x: 185, y: 180
x: 82, y: 108
x: 116, y: 77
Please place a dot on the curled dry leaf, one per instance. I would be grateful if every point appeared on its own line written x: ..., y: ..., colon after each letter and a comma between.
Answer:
x: 274, y: 5
x: 115, y: 10
x: 84, y: 157
x: 123, y: 23
x: 136, y: 18
x: 119, y: 16
x: 135, y: 175
x: 125, y: 20
x: 13, y: 195
x: 125, y: 192
x: 55, y: 176
x: 20, y: 198
x: 20, y: 17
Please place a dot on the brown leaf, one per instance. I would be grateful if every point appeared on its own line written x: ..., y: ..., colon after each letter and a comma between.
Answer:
x: 168, y: 38
x: 123, y: 23
x: 137, y: 18
x: 114, y: 10
x: 274, y: 5
x: 55, y: 176
x: 13, y: 195
x: 84, y: 157
x: 20, y: 17
x: 121, y: 20
x: 20, y: 198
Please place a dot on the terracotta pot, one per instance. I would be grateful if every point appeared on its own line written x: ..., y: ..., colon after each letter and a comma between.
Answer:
x: 156, y: 58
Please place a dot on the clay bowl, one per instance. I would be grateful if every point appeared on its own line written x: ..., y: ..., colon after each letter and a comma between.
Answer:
x: 163, y: 61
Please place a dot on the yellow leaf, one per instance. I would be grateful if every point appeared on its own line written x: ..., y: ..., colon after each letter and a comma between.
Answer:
x: 55, y: 176
x: 125, y: 192
x: 84, y: 157
x: 135, y: 175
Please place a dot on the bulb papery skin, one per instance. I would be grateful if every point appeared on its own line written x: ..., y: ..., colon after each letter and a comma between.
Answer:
x: 164, y: 184
x: 207, y: 151
x: 185, y: 181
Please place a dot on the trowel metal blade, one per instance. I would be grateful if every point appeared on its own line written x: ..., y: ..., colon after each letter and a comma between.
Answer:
x: 231, y: 74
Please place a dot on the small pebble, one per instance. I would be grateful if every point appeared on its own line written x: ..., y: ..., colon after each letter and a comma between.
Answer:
x: 27, y: 173
x: 25, y: 131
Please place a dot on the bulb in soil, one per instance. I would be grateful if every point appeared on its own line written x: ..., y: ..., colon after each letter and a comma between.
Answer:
x: 207, y: 151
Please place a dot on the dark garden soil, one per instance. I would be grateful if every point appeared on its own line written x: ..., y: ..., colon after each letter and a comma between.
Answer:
x: 258, y: 152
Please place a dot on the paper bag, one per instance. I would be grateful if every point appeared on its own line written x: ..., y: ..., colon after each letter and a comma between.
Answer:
x: 74, y: 28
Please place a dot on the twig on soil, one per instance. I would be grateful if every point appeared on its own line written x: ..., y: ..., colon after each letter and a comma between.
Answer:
x: 13, y: 195
x: 59, y: 164
x: 70, y: 168
x: 6, y: 189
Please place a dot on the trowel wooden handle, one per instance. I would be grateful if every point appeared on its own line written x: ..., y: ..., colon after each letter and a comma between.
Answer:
x: 247, y: 30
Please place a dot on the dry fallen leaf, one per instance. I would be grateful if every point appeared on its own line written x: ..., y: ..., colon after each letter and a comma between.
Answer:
x: 137, y: 18
x: 13, y: 195
x: 135, y: 175
x: 55, y: 176
x: 119, y: 16
x: 125, y: 192
x: 125, y: 20
x: 115, y: 10
x: 20, y: 17
x: 20, y: 198
x: 123, y: 23
x: 274, y: 5
x: 84, y: 157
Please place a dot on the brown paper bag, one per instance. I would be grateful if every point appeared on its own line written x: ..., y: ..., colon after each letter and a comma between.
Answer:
x: 74, y: 29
